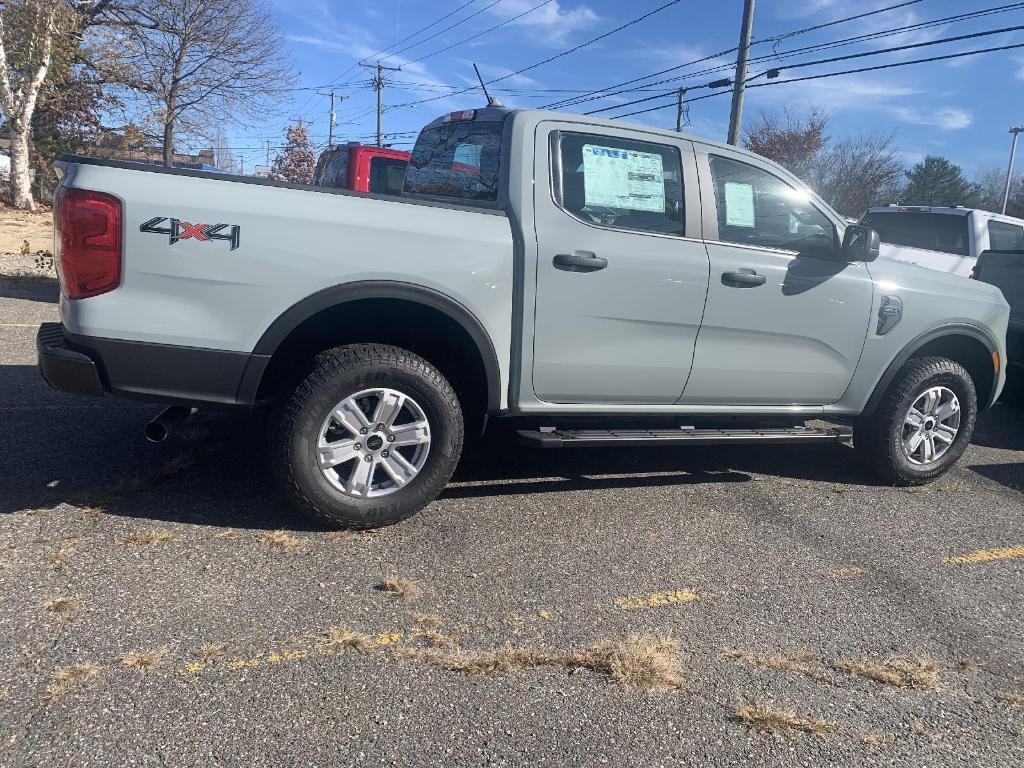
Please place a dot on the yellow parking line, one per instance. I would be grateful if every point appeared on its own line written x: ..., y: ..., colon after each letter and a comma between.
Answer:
x: 984, y: 555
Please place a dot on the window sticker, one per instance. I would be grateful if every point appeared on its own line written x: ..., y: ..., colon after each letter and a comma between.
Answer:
x: 623, y: 178
x: 739, y: 204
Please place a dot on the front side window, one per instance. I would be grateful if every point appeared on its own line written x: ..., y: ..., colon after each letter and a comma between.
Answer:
x: 1005, y: 237
x: 944, y: 232
x: 622, y: 183
x: 756, y: 207
x: 458, y: 161
x: 386, y: 175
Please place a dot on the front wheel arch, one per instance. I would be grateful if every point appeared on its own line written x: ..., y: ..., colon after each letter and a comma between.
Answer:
x: 967, y: 345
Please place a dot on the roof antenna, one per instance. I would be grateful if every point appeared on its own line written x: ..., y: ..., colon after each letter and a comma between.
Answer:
x: 491, y: 101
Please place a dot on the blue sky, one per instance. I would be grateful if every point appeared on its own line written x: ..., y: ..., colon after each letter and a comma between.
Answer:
x: 960, y: 108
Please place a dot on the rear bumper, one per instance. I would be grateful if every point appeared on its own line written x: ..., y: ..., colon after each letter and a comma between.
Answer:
x: 159, y: 373
x: 62, y: 367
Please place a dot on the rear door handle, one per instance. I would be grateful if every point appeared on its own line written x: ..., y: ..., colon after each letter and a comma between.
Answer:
x: 579, y: 261
x: 744, y: 278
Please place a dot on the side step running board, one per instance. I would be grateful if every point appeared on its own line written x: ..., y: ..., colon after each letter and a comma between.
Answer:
x: 596, y: 438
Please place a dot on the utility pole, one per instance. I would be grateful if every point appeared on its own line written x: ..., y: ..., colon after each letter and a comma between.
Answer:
x: 739, y: 83
x: 680, y: 95
x: 378, y: 84
x: 1016, y: 130
x: 268, y: 151
x: 330, y: 126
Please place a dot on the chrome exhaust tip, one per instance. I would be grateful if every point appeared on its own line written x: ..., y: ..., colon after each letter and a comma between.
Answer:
x: 157, y: 430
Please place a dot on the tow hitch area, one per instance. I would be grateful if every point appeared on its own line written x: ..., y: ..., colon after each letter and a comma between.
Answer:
x: 595, y: 438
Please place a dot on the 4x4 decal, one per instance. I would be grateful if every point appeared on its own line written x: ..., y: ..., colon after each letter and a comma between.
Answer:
x: 177, y: 229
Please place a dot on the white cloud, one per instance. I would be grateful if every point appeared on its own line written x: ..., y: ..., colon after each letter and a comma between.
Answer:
x: 848, y: 94
x: 947, y: 118
x: 554, y: 22
x: 1020, y: 67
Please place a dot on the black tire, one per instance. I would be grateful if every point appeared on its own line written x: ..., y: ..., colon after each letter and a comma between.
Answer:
x: 336, y: 374
x: 878, y: 437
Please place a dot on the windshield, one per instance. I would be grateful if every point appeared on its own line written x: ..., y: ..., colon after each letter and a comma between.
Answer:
x: 458, y: 161
x: 930, y: 231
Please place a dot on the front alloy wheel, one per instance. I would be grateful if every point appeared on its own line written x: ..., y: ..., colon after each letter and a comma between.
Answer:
x: 931, y: 426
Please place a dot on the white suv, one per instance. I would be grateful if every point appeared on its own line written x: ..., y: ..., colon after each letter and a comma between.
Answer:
x: 945, y: 239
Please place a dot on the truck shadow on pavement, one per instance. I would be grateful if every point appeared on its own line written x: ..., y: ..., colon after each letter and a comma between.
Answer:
x: 214, y: 469
x: 30, y: 288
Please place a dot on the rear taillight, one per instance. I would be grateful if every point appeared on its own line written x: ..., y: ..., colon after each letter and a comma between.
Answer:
x: 87, y: 242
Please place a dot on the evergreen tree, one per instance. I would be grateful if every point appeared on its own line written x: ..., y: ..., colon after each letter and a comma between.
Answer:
x: 297, y: 161
x: 937, y: 181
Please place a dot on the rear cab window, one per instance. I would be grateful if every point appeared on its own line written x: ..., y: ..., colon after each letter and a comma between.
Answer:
x: 943, y: 232
x: 387, y: 175
x: 332, y: 170
x: 457, y: 161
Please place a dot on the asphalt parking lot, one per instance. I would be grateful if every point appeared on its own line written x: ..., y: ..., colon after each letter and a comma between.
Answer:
x: 160, y: 605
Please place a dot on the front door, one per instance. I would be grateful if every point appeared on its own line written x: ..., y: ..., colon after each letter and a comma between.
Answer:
x: 786, y: 319
x: 621, y: 273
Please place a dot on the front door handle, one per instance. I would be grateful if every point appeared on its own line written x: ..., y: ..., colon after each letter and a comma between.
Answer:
x: 579, y: 261
x: 744, y: 278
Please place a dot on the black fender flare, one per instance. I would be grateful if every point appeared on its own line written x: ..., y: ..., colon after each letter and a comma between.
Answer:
x: 918, y: 342
x: 335, y: 295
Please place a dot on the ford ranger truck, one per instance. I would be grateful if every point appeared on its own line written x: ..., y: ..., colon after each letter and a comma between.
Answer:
x: 588, y: 282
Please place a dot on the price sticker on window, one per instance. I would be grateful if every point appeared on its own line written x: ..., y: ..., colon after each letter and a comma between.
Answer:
x: 623, y: 178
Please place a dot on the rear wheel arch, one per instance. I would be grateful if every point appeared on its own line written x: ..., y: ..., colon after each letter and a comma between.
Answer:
x: 967, y: 345
x: 423, y: 320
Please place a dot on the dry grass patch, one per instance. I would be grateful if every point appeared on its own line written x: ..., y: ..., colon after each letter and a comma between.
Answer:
x: 210, y: 652
x: 921, y: 674
x: 145, y: 660
x: 63, y: 679
x: 343, y: 638
x: 435, y: 638
x: 61, y: 607
x: 340, y: 535
x: 657, y: 599
x: 1010, y: 697
x: 764, y: 718
x: 427, y: 620
x: 227, y: 533
x: 147, y: 538
x: 282, y: 540
x: 796, y: 663
x: 400, y: 585
x: 640, y: 661
x: 842, y: 574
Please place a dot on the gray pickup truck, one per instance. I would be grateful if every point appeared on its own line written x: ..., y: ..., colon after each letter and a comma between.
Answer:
x: 590, y: 282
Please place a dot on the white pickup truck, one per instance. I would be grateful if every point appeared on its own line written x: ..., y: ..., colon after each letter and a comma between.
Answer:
x: 591, y: 282
x: 945, y: 239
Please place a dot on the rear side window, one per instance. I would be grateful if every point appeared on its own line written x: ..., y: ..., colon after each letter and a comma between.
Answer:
x: 1005, y: 237
x: 756, y: 207
x: 334, y: 169
x: 387, y: 175
x: 622, y: 183
x: 458, y: 161
x: 943, y: 232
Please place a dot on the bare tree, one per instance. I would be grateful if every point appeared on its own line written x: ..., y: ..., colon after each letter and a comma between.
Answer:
x: 792, y: 140
x: 27, y: 32
x: 857, y: 172
x: 991, y: 184
x: 197, y: 63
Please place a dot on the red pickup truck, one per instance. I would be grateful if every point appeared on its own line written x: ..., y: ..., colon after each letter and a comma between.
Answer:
x: 362, y: 168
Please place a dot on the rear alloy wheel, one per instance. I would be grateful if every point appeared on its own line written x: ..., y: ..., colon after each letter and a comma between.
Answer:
x: 371, y: 436
x: 922, y: 424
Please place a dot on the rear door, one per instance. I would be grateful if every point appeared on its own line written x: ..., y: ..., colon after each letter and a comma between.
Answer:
x: 622, y: 273
x: 786, y: 320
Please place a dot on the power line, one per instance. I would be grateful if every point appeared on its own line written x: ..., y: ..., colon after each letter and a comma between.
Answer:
x: 830, y: 74
x: 399, y: 42
x: 832, y: 60
x: 458, y: 23
x: 481, y: 34
x: 597, y: 93
x: 548, y: 60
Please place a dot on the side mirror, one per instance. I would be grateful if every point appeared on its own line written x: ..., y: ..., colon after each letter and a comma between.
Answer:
x: 860, y: 243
